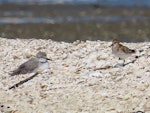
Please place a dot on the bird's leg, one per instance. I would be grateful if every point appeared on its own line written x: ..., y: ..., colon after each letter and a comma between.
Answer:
x: 119, y: 64
x: 123, y: 63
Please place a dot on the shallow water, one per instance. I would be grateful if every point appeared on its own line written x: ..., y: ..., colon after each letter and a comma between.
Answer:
x: 75, y: 22
x: 24, y: 20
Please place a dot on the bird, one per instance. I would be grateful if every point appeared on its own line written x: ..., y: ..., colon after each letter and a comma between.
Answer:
x: 121, y: 51
x: 33, y: 65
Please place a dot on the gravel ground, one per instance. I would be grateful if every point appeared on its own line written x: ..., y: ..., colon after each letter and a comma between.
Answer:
x: 81, y: 78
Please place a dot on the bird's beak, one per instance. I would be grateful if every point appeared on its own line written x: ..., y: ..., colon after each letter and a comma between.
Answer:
x: 111, y: 45
x: 48, y: 59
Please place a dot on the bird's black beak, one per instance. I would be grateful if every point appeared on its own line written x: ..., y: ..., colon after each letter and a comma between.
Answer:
x: 48, y: 59
x: 111, y: 45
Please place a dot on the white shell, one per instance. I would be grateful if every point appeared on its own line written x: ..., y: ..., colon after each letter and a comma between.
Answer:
x: 81, y: 78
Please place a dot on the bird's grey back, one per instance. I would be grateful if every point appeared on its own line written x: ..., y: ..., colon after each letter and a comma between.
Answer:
x: 27, y: 67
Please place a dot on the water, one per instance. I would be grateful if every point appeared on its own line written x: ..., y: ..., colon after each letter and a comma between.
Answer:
x: 77, y: 2
x: 70, y: 20
x: 13, y: 16
x: 52, y: 20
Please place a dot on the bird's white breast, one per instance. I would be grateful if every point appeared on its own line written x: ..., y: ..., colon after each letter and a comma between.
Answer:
x: 43, y: 64
x: 120, y: 54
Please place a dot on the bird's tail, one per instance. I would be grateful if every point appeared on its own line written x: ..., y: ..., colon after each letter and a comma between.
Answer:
x: 15, y: 72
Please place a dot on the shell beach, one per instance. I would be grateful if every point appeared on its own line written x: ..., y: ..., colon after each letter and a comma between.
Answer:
x: 81, y: 78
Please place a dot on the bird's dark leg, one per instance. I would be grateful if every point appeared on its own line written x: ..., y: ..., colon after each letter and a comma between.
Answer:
x: 119, y: 64
x: 123, y: 62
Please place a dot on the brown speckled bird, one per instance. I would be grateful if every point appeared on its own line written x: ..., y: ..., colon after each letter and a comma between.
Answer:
x: 121, y: 51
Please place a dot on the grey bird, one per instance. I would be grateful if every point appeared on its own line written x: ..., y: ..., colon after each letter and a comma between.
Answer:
x: 34, y: 65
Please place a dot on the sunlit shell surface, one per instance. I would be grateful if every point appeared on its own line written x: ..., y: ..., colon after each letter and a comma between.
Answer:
x: 82, y: 78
